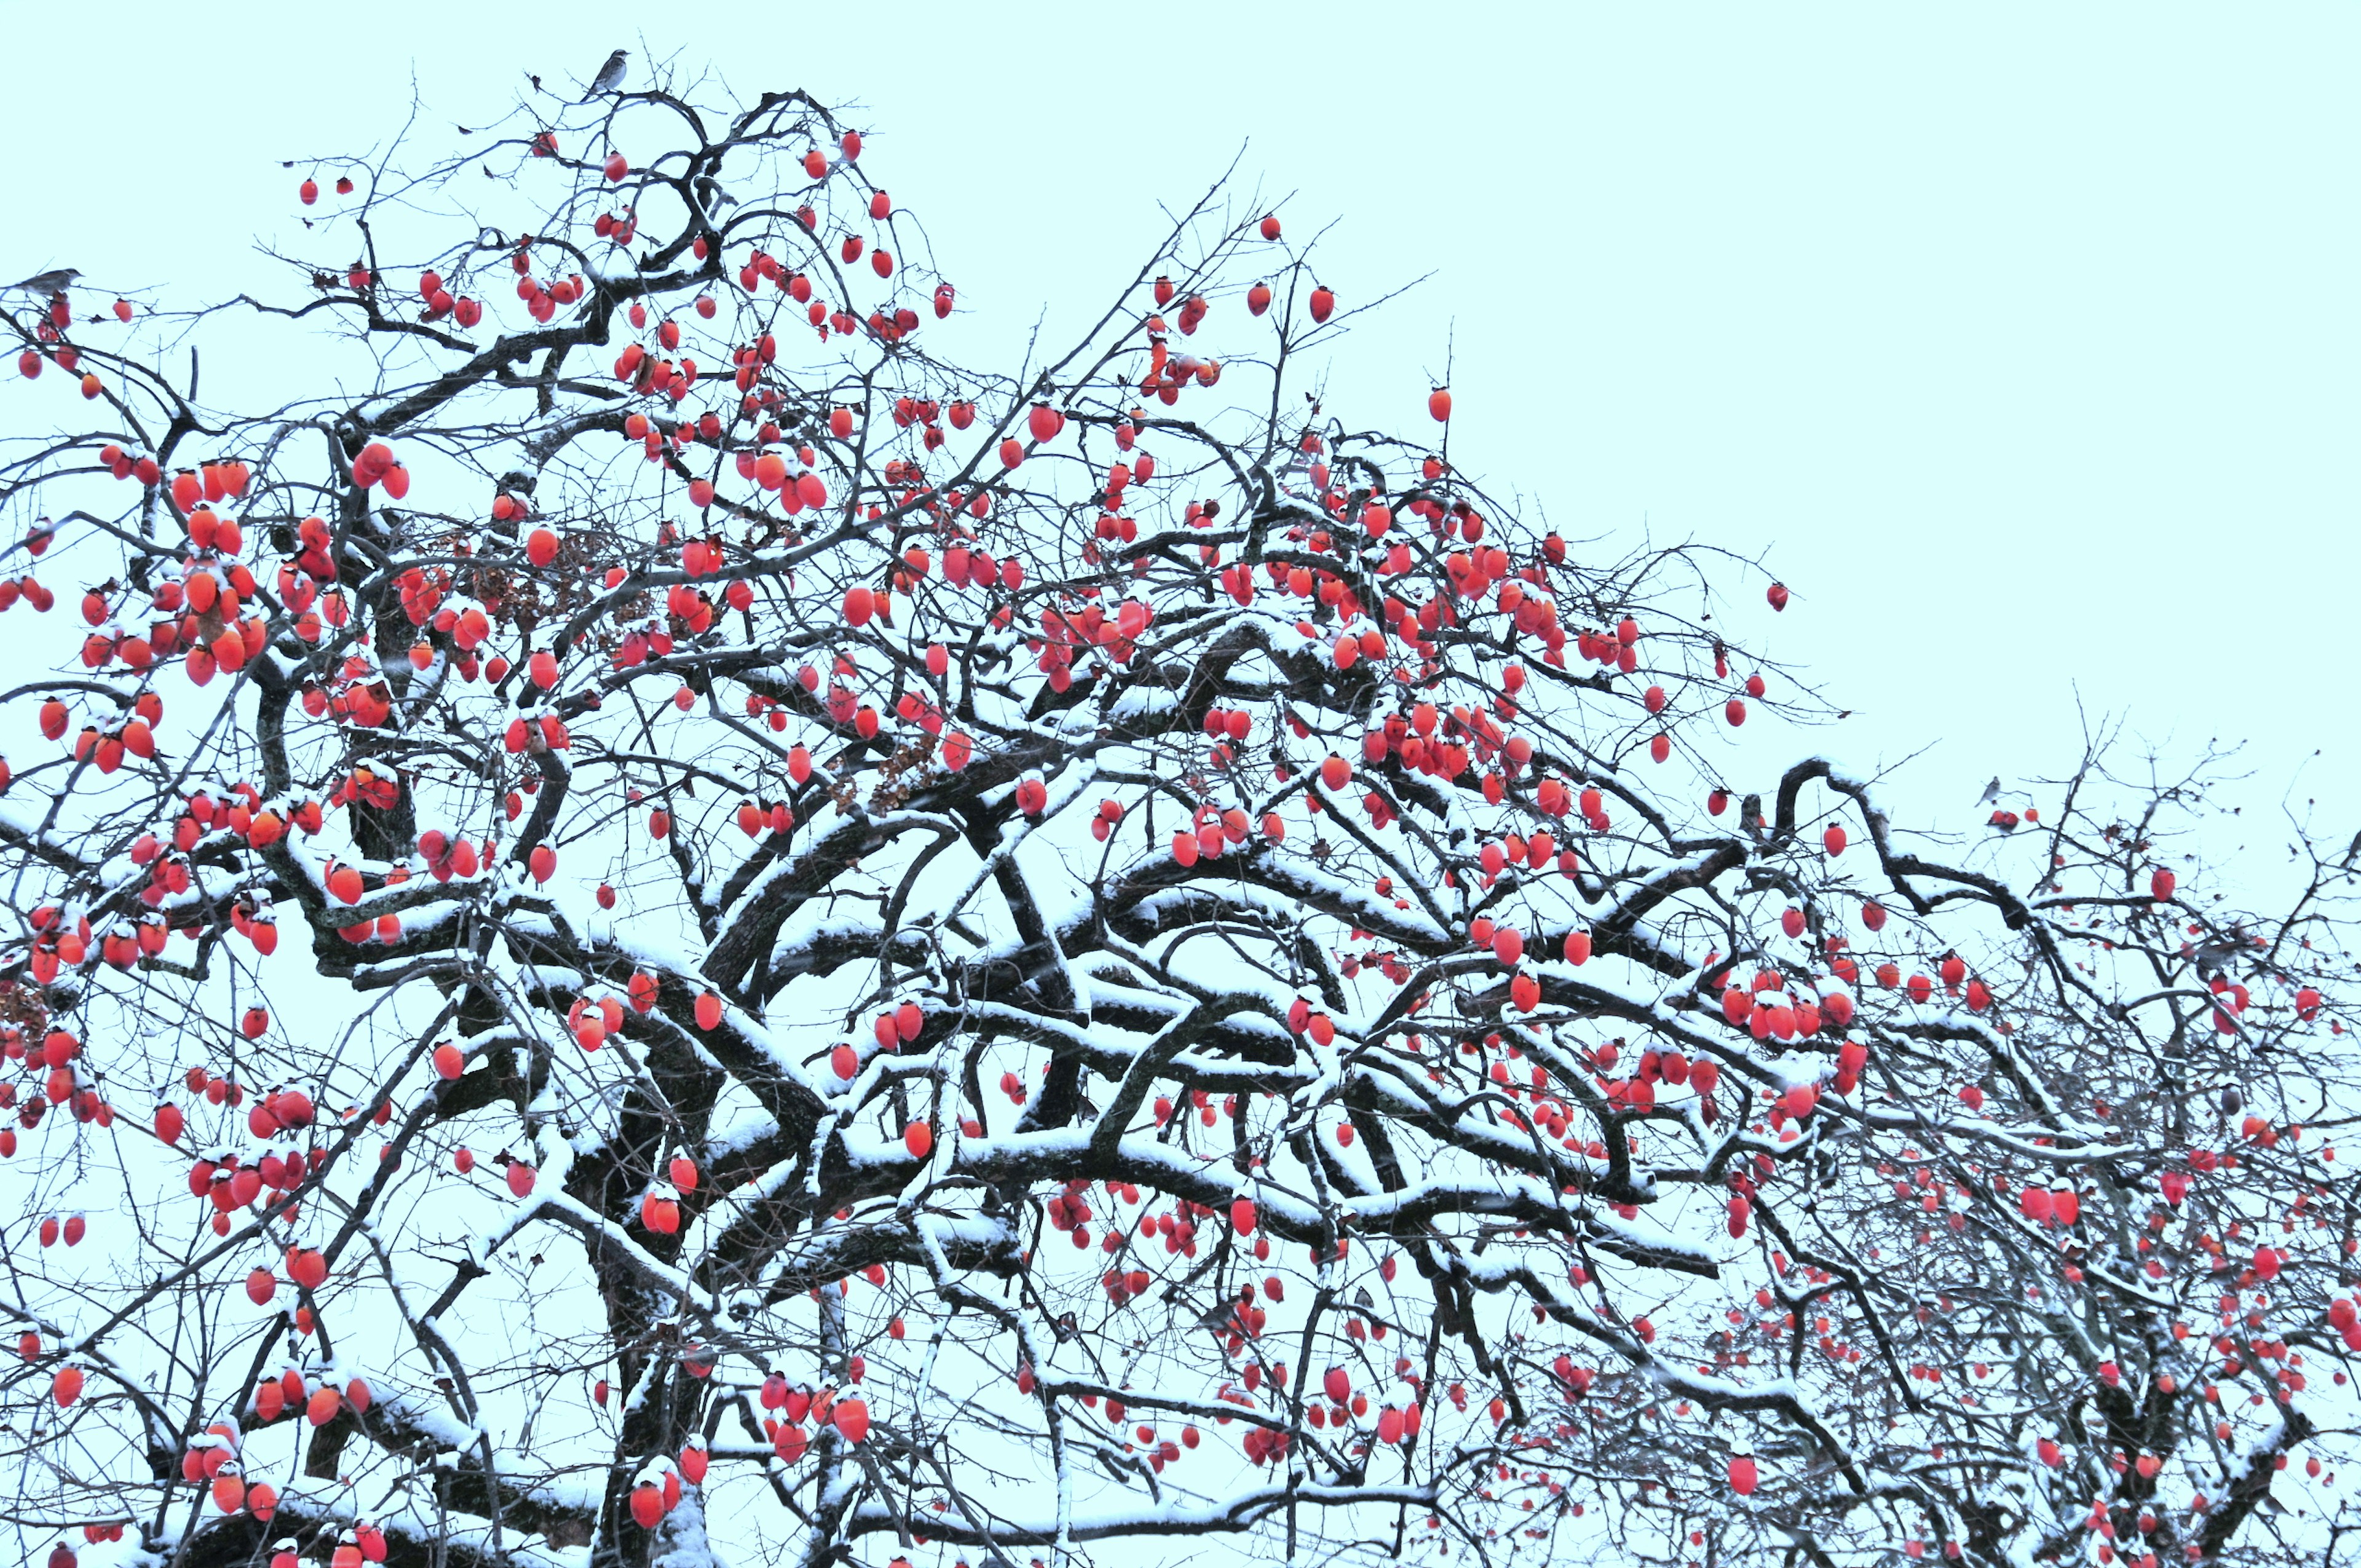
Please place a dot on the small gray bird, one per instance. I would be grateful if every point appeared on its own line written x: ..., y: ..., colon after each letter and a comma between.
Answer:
x: 46, y: 285
x: 610, y: 75
x: 2214, y: 958
x: 1992, y: 792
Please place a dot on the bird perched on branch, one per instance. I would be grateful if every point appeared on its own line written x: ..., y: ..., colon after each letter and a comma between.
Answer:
x: 610, y: 75
x: 2214, y: 958
x: 46, y: 285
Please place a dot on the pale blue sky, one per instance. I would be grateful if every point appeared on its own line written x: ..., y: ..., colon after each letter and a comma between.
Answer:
x: 2022, y: 337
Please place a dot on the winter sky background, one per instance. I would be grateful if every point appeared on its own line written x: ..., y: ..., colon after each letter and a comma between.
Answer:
x: 2022, y: 344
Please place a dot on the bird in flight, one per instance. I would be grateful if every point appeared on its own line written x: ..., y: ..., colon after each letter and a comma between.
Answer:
x: 46, y: 285
x: 610, y: 75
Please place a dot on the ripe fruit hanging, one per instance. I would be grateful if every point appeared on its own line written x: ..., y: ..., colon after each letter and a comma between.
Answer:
x: 751, y: 602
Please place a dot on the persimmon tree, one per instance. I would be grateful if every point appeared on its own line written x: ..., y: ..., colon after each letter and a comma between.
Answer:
x: 650, y: 923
